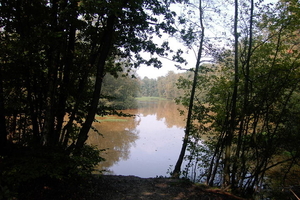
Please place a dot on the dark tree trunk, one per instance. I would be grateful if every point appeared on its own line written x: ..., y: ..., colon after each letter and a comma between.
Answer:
x: 103, y: 52
x: 232, y: 121
x: 3, y: 131
x: 176, y: 171
x: 245, y: 112
x: 68, y: 60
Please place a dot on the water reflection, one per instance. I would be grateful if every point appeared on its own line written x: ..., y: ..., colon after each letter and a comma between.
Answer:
x: 145, y: 145
x: 118, y: 134
x: 164, y: 110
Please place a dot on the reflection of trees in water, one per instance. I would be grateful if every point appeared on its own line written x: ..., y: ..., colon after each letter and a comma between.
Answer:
x: 167, y: 110
x: 118, y: 136
x: 147, y: 108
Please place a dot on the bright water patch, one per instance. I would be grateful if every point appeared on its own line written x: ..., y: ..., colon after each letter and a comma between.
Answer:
x: 146, y: 145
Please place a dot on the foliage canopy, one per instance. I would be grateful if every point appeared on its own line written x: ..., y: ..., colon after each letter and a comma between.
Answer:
x: 54, y: 56
x: 245, y: 109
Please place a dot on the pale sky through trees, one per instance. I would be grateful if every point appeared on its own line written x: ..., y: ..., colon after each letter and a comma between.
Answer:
x: 152, y: 72
x: 168, y: 65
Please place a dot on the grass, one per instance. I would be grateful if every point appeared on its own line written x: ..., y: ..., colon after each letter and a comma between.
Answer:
x: 150, y: 98
x: 110, y: 118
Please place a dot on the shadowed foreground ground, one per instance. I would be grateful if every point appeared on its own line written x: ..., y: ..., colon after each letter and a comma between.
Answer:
x: 130, y: 187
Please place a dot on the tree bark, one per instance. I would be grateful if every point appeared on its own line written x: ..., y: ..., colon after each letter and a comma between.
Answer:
x: 3, y: 131
x: 103, y: 52
x: 176, y: 171
x: 245, y: 111
x: 232, y: 121
x: 68, y: 60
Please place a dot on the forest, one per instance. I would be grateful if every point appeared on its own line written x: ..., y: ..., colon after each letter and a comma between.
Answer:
x: 64, y: 62
x: 164, y: 86
x: 121, y: 93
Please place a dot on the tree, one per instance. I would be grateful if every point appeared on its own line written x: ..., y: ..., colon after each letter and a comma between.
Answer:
x: 120, y: 92
x: 52, y: 49
x: 166, y: 85
x: 248, y: 105
x: 231, y: 124
x: 148, y: 87
x: 191, y: 103
x: 54, y: 55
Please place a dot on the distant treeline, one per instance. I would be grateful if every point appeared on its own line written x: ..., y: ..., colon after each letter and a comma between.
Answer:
x: 164, y: 86
x: 120, y: 93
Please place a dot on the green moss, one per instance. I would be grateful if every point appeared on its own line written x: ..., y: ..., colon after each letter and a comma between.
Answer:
x: 150, y: 99
x: 112, y: 120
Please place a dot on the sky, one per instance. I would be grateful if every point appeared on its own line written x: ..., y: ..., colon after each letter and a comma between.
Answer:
x: 152, y: 72
x: 168, y: 64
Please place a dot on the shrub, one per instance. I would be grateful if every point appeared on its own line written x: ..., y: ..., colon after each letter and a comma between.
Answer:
x: 45, y: 173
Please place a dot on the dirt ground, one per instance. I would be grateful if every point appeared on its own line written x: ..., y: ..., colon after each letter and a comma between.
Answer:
x: 109, y: 187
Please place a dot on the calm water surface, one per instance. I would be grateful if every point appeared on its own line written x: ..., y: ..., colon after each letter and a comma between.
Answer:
x: 145, y: 145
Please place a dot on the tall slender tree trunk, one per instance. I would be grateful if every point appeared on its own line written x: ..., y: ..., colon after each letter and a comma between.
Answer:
x: 232, y: 121
x: 3, y: 131
x: 68, y: 60
x: 104, y: 49
x: 245, y: 112
x: 176, y: 171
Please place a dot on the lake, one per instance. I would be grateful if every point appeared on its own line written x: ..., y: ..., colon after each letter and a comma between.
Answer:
x: 146, y: 145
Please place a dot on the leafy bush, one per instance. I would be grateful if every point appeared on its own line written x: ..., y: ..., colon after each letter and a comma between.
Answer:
x: 45, y: 173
